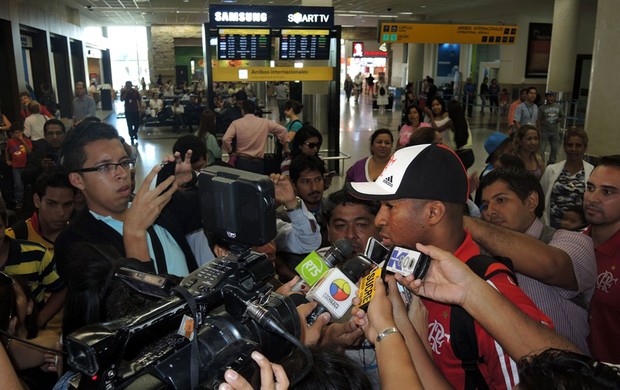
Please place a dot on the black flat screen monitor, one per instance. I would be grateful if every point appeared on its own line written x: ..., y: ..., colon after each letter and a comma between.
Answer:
x: 304, y: 44
x: 243, y: 44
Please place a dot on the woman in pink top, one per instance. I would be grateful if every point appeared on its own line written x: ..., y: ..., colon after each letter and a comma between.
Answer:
x: 413, y: 121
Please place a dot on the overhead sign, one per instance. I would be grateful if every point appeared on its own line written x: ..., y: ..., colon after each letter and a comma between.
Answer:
x: 270, y: 16
x: 310, y: 73
x: 447, y: 33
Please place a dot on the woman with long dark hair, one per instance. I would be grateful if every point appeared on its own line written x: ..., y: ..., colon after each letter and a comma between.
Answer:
x: 308, y: 141
x: 292, y: 109
x: 439, y: 119
x: 413, y: 121
x: 206, y: 131
x: 462, y: 134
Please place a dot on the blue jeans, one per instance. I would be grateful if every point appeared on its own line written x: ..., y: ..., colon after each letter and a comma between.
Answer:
x: 553, y: 139
x: 18, y: 186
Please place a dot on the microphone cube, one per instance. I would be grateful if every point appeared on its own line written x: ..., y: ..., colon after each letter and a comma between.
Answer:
x: 335, y: 292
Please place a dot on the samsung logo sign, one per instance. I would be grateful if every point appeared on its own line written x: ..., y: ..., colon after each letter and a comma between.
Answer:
x: 298, y: 17
x: 270, y: 16
x: 245, y: 17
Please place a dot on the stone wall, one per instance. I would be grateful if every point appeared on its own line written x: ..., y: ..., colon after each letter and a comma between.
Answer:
x: 161, y: 48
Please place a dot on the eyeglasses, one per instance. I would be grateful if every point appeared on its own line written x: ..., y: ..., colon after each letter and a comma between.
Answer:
x: 312, y: 145
x: 110, y: 168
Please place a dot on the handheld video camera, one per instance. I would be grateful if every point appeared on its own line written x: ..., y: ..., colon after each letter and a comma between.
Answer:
x: 205, y: 324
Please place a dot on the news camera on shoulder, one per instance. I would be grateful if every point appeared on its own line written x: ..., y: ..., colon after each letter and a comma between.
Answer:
x: 214, y: 319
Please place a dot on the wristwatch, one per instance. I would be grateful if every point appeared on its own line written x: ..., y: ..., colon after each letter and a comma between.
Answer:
x: 386, y: 332
x: 297, y: 206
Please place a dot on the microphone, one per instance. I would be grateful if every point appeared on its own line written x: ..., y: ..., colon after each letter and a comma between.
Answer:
x: 407, y: 261
x: 335, y: 291
x: 314, y: 266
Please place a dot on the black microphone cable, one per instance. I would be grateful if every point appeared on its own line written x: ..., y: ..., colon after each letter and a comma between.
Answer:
x: 37, y: 346
x: 261, y: 315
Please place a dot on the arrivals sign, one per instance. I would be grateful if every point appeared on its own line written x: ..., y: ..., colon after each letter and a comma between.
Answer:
x: 270, y: 16
x: 247, y: 74
x: 475, y: 34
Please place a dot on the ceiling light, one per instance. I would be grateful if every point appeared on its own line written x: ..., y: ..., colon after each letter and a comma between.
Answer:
x: 406, y: 13
x: 422, y: 6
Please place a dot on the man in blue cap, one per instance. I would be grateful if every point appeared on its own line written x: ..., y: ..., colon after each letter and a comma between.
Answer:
x: 549, y: 116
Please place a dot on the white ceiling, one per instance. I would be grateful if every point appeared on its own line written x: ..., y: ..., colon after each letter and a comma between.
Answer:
x: 348, y: 12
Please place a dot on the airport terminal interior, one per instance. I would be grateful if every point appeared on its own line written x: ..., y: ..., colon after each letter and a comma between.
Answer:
x: 356, y: 67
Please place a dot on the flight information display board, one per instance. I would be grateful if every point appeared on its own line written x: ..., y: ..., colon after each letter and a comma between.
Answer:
x: 243, y: 44
x: 296, y: 44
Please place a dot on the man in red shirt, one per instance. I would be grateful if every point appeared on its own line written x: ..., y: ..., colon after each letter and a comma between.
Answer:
x: 423, y: 190
x: 24, y: 99
x: 601, y: 203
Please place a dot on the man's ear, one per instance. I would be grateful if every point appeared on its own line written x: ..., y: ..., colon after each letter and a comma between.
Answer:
x: 76, y: 180
x: 36, y: 200
x: 435, y: 211
x: 531, y: 202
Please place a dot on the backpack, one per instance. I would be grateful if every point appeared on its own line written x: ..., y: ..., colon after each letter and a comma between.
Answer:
x: 20, y: 229
x: 382, y: 91
x: 462, y: 330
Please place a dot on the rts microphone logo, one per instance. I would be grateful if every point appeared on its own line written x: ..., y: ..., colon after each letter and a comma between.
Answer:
x: 340, y: 290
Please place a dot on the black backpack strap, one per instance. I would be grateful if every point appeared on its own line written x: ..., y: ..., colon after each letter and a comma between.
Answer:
x: 462, y: 327
x: 580, y: 299
x: 547, y: 234
x: 158, y: 250
x: 20, y: 229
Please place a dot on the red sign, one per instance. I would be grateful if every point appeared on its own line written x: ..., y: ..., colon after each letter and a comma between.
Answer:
x: 377, y: 53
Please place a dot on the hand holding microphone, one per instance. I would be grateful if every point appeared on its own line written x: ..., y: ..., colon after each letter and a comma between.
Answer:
x: 314, y: 266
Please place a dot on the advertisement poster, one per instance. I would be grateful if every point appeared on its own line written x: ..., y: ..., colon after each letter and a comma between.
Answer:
x: 538, y: 50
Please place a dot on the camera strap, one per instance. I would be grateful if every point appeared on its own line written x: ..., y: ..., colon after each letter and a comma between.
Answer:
x: 194, y: 355
x: 158, y: 250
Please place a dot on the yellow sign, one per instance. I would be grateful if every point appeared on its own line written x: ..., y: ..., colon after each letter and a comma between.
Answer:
x: 286, y: 32
x: 310, y: 73
x: 367, y: 287
x: 447, y: 33
x: 243, y: 31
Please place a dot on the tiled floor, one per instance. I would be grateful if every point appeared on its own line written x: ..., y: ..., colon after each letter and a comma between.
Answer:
x: 357, y: 122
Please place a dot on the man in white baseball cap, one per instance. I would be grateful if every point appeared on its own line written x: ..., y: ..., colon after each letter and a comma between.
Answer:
x: 423, y: 190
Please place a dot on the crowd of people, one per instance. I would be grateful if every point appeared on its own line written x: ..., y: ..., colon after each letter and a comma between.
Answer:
x: 519, y: 290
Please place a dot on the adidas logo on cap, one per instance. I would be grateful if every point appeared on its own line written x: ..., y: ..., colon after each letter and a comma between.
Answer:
x: 388, y: 181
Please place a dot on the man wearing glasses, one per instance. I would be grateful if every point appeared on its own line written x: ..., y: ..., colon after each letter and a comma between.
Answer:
x: 152, y: 228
